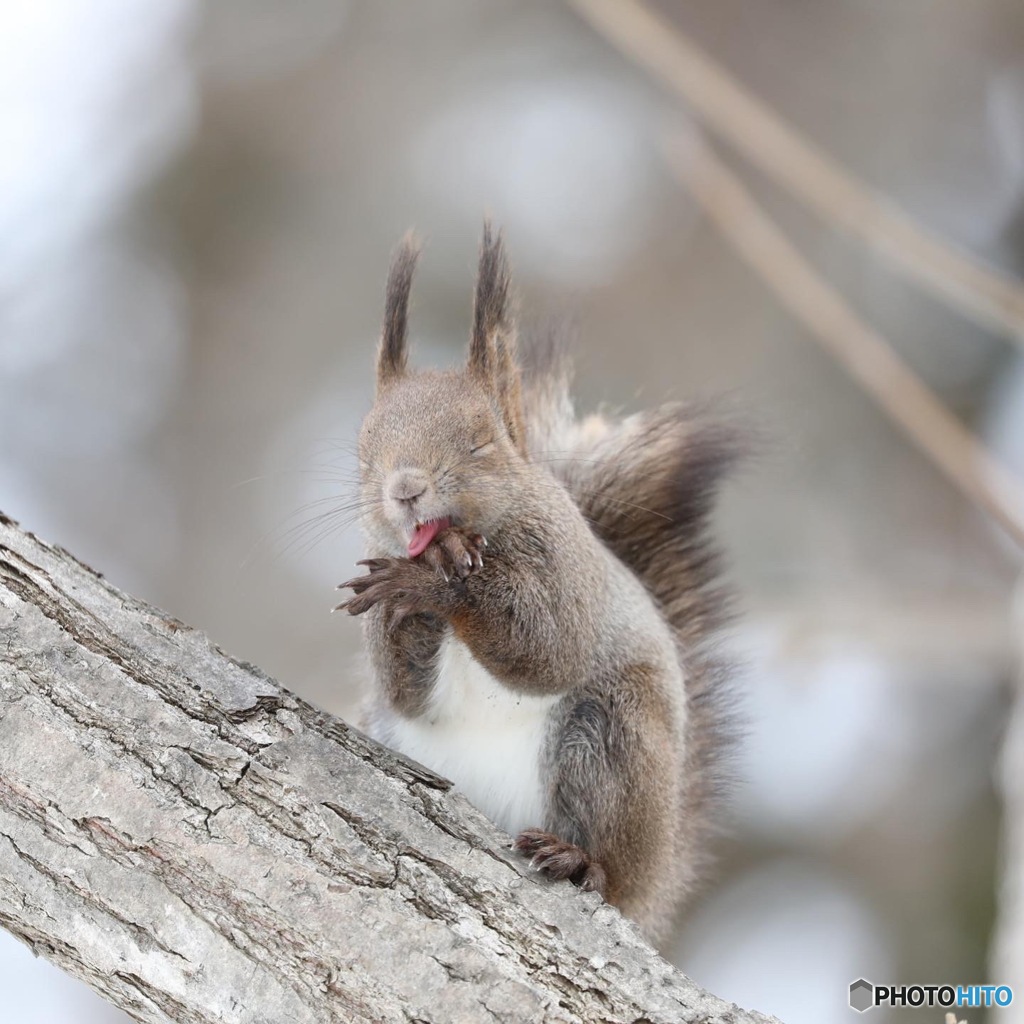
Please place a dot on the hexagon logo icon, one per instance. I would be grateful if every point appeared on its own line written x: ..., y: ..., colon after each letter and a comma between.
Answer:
x: 861, y: 995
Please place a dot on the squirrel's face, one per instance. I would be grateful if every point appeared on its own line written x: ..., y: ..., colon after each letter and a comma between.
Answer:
x: 433, y: 452
x: 441, y: 449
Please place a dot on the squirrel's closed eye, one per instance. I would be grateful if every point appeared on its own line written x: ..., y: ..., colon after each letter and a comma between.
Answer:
x: 477, y: 449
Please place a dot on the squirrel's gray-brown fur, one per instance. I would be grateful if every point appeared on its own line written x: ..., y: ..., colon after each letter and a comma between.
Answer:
x: 550, y: 646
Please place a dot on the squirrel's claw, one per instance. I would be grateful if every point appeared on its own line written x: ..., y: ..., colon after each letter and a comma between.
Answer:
x: 375, y: 564
x: 478, y: 541
x: 435, y: 557
x: 358, y: 583
x: 594, y: 879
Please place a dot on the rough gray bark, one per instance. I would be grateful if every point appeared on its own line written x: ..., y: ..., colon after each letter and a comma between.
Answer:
x: 199, y: 845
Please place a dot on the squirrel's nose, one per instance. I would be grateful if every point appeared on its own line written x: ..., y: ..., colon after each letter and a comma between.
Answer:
x: 407, y: 485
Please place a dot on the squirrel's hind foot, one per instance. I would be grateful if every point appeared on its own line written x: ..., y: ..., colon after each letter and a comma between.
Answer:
x: 558, y: 859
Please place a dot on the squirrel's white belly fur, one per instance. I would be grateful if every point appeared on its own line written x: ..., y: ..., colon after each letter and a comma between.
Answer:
x: 484, y: 737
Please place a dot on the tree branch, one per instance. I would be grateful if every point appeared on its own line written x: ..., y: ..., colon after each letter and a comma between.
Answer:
x: 199, y: 845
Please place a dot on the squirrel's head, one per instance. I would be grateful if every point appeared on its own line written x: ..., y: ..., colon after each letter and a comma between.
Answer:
x: 443, y: 448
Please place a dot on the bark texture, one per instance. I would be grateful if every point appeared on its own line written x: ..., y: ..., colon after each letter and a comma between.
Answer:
x: 199, y: 845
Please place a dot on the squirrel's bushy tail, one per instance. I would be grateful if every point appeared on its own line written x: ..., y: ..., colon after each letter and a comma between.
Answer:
x: 647, y: 483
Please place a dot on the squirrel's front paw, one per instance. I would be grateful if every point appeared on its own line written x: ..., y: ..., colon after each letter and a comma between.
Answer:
x: 456, y: 552
x: 558, y: 859
x: 397, y: 580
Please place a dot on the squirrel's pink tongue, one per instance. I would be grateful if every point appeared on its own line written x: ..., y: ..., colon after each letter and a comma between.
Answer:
x: 424, y: 534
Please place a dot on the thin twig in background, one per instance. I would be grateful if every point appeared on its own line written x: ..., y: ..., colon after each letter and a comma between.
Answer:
x: 860, y: 349
x: 778, y: 149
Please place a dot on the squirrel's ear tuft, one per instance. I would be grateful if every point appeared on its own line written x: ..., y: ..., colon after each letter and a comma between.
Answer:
x: 490, y: 309
x: 393, y: 354
x: 492, y: 346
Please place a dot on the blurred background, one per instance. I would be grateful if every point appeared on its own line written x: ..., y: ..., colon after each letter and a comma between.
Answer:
x: 197, y: 204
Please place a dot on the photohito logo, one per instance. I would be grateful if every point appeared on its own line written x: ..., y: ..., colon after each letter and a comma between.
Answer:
x: 864, y: 995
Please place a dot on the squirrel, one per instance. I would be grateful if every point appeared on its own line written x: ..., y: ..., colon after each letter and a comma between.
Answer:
x: 541, y: 601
